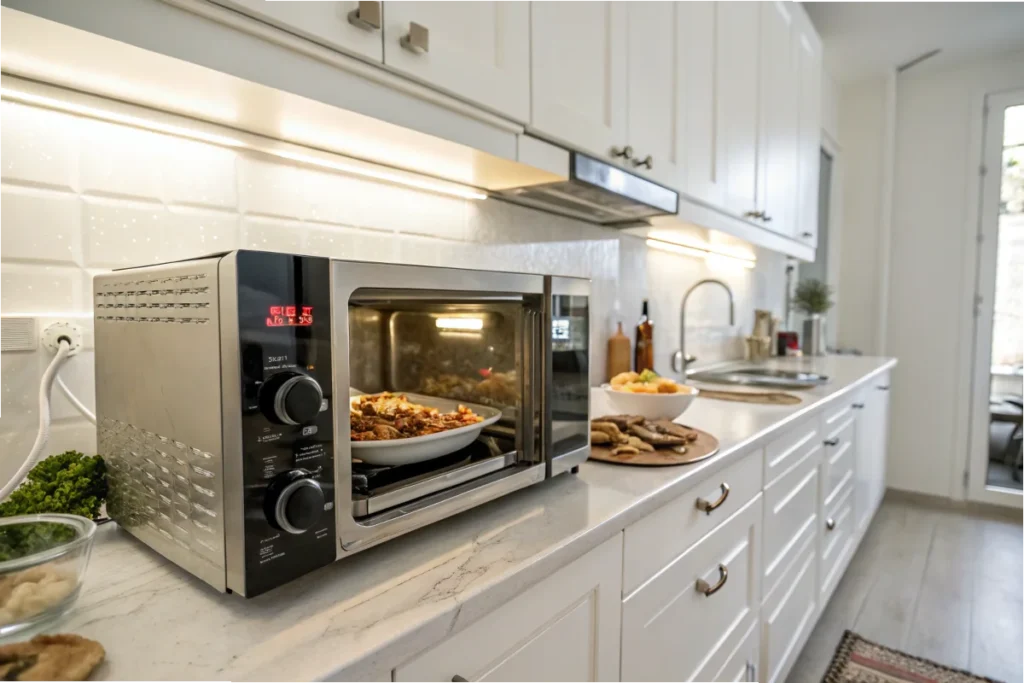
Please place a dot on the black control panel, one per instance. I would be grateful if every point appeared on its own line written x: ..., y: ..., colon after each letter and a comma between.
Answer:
x: 284, y: 321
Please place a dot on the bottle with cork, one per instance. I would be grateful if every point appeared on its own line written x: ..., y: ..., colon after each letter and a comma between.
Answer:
x: 643, y: 357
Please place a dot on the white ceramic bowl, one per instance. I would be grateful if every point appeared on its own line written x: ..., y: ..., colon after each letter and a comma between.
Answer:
x: 651, y: 406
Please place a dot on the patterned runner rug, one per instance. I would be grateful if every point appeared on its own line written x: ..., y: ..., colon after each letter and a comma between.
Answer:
x: 860, y: 661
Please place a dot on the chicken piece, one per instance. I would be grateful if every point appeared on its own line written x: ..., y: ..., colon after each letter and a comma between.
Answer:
x: 608, y: 428
x: 677, y: 430
x: 648, y: 431
x: 62, y: 657
x: 625, y: 450
x: 599, y: 438
x: 621, y: 421
x: 639, y: 444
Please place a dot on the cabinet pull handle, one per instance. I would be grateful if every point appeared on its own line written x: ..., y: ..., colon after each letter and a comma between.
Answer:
x: 834, y: 441
x: 754, y: 214
x: 709, y: 507
x: 417, y: 39
x: 751, y: 672
x: 858, y: 406
x: 883, y: 387
x: 647, y: 162
x: 459, y: 679
x: 830, y: 524
x: 765, y: 217
x: 708, y: 591
x: 623, y: 152
x: 366, y: 16
x: 807, y: 235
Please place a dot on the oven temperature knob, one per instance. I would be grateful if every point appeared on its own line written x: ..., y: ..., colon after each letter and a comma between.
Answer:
x: 294, y: 501
x: 297, y: 400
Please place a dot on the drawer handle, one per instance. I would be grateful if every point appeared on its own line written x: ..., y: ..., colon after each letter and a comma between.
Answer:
x: 882, y: 387
x: 858, y: 406
x: 709, y: 507
x: 647, y: 162
x: 366, y: 16
x: 459, y: 679
x: 834, y: 441
x: 708, y: 591
x: 417, y: 39
x: 623, y: 152
x: 830, y: 524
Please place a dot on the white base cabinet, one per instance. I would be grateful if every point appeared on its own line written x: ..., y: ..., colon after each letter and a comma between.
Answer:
x: 724, y: 583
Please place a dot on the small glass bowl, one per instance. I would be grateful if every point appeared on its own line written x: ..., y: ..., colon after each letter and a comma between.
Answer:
x: 42, y: 567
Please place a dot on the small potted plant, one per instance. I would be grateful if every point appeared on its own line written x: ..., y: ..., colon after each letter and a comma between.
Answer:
x: 813, y: 298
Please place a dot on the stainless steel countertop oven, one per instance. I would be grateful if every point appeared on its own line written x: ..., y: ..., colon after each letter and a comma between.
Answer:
x: 223, y: 386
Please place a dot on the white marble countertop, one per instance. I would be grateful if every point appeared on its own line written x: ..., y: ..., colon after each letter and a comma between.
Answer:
x: 358, y: 618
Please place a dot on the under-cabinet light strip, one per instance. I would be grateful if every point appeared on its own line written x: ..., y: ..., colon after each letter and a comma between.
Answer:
x: 699, y: 252
x: 339, y: 163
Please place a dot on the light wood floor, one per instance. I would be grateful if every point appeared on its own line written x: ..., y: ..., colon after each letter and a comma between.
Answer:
x: 941, y: 584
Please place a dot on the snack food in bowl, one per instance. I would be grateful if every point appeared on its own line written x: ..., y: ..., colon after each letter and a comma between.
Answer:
x: 650, y: 395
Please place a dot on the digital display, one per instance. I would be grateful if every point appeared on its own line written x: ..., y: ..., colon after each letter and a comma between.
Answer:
x: 290, y: 316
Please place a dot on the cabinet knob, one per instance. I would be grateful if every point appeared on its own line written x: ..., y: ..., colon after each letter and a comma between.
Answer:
x: 647, y: 162
x: 459, y: 679
x: 765, y: 217
x: 830, y: 524
x: 366, y: 16
x: 708, y: 507
x: 858, y: 406
x: 417, y: 39
x: 807, y: 235
x: 754, y: 214
x: 708, y: 590
x: 623, y: 152
x: 883, y: 387
x: 834, y: 441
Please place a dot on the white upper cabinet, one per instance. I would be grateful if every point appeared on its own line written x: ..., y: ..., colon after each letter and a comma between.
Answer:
x: 809, y: 74
x: 655, y: 89
x: 702, y: 177
x: 479, y: 51
x: 778, y: 138
x: 736, y: 77
x: 578, y: 74
x: 327, y: 23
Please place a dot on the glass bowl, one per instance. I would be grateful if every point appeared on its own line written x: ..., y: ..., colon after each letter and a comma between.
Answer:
x: 42, y: 565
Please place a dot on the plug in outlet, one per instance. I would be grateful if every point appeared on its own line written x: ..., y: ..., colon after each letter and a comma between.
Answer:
x: 62, y: 329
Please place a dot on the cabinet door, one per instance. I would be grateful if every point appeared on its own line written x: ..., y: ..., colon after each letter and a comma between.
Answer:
x: 809, y: 155
x: 864, y: 461
x: 778, y: 139
x: 701, y: 138
x: 878, y: 413
x: 736, y: 80
x: 578, y: 74
x: 655, y: 92
x: 692, y: 609
x: 788, y: 615
x: 479, y: 51
x: 565, y: 628
x: 322, y: 22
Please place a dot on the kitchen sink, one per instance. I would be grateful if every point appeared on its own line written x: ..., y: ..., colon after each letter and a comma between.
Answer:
x: 761, y: 377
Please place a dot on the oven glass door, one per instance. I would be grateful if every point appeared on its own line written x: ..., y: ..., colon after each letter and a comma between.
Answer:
x: 569, y: 386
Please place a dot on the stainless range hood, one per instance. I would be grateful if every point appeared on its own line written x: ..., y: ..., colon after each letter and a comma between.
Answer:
x: 590, y: 189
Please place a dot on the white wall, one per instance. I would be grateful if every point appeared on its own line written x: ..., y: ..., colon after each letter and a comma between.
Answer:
x: 934, y: 223
x: 81, y: 196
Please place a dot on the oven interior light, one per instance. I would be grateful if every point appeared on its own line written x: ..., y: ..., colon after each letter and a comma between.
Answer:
x: 462, y: 324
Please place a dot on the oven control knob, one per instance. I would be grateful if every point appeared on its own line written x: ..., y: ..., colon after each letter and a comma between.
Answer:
x: 294, y: 502
x: 297, y: 399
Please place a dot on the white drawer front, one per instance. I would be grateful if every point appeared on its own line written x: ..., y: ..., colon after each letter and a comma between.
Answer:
x: 655, y: 540
x: 790, y: 515
x: 788, y: 448
x: 839, y: 412
x: 839, y: 459
x: 670, y: 627
x: 565, y: 628
x: 788, y: 616
x: 837, y: 540
x: 735, y: 662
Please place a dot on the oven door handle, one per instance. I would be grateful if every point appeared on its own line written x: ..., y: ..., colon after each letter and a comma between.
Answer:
x: 547, y: 386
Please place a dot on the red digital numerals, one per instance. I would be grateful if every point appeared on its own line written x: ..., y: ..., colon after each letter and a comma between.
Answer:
x: 290, y: 316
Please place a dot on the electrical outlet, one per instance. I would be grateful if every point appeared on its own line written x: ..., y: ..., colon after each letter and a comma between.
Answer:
x: 62, y: 329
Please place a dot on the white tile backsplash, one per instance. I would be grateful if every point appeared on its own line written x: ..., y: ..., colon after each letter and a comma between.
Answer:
x: 135, y: 197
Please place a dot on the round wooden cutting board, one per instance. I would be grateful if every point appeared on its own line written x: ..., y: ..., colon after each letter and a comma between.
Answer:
x: 704, y: 447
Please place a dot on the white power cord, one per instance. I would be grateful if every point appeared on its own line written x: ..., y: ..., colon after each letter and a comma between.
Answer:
x: 43, y: 435
x: 88, y: 414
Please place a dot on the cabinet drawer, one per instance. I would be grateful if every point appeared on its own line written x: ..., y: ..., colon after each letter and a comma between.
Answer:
x: 655, y: 540
x: 839, y: 459
x: 681, y: 617
x: 788, y: 448
x: 737, y: 659
x: 788, y: 615
x: 790, y: 515
x: 565, y: 628
x: 836, y: 540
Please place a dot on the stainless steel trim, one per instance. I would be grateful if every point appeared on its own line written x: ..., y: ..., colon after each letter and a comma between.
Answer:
x: 231, y: 420
x: 429, y: 484
x: 623, y: 183
x: 546, y: 382
x: 282, y: 394
x: 282, y: 500
x: 527, y: 440
x: 566, y: 461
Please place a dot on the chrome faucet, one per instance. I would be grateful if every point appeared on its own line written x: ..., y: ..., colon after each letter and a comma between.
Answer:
x: 679, y: 359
